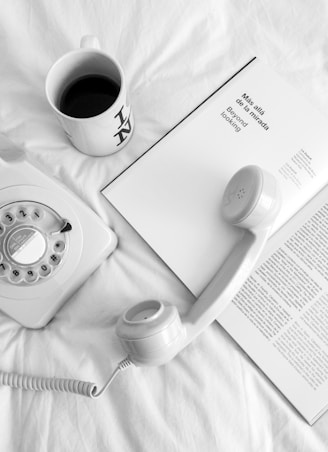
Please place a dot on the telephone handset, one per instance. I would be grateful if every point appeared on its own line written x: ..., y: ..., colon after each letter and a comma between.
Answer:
x: 153, y: 332
x: 50, y: 241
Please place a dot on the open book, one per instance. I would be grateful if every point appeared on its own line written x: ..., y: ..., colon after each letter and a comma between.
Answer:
x: 172, y: 196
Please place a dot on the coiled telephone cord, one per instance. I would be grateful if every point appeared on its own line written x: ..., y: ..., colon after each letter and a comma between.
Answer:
x: 84, y: 388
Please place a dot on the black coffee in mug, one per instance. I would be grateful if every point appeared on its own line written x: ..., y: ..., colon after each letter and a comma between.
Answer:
x: 88, y: 96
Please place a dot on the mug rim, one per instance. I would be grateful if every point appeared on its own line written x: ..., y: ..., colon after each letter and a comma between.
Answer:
x: 69, y: 55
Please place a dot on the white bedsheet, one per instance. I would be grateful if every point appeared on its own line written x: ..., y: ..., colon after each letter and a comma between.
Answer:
x: 174, y: 54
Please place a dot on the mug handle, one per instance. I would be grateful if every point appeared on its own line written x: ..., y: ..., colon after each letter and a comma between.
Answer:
x: 89, y: 42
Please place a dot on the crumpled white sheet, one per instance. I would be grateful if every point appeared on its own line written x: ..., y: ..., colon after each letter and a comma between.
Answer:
x: 174, y: 54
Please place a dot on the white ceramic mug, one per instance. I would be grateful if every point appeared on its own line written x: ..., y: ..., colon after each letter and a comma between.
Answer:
x: 104, y: 133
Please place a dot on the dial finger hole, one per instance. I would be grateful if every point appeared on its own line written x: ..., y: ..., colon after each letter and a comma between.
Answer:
x: 37, y: 214
x: 8, y: 218
x: 31, y: 276
x: 16, y: 275
x: 54, y: 259
x: 44, y: 270
x: 59, y: 246
x: 22, y: 213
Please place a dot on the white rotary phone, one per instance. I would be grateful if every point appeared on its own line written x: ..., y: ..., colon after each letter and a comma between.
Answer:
x: 50, y: 241
x: 45, y: 253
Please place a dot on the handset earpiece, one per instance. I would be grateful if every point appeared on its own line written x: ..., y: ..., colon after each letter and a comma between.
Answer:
x: 152, y: 332
x: 250, y: 198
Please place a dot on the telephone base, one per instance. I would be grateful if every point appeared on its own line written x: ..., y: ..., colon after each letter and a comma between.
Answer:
x: 50, y: 242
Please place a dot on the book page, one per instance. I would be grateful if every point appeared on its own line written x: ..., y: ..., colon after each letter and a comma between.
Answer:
x: 280, y: 315
x: 172, y: 194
